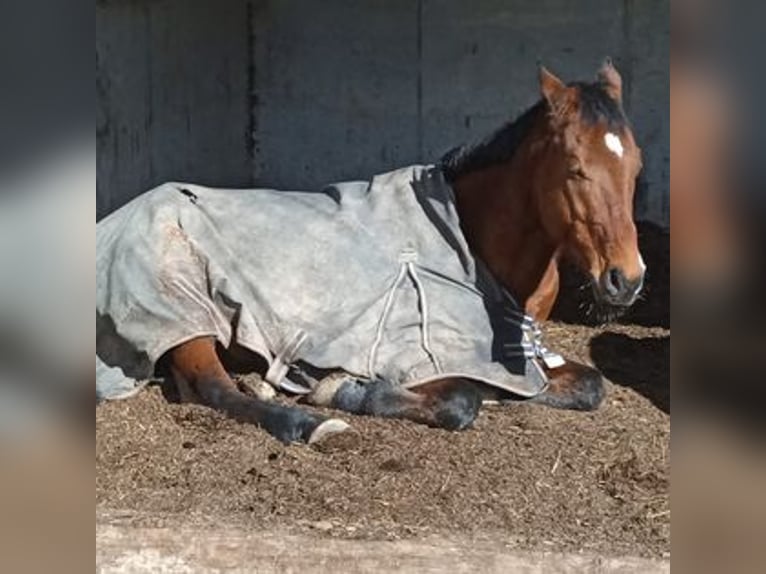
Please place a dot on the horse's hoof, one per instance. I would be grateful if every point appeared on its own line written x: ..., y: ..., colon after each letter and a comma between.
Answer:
x: 460, y: 408
x: 326, y: 429
x: 324, y: 393
x: 259, y: 388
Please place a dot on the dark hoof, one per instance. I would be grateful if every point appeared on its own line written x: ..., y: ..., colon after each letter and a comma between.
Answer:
x: 591, y: 391
x: 581, y: 390
x: 459, y: 408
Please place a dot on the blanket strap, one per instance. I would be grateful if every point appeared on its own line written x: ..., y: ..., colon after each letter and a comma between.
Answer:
x: 280, y: 364
x: 531, y: 346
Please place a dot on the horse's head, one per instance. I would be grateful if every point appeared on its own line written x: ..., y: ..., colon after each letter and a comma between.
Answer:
x: 584, y: 191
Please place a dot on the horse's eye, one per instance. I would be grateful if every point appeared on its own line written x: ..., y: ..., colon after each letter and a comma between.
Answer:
x: 578, y: 172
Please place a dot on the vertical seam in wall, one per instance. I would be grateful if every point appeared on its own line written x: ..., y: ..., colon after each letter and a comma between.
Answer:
x: 103, y: 132
x: 149, y: 121
x: 251, y: 99
x: 627, y: 52
x: 664, y: 216
x: 419, y: 22
x: 641, y: 200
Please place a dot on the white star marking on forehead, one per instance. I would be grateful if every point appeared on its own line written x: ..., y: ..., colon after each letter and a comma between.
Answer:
x: 614, y: 144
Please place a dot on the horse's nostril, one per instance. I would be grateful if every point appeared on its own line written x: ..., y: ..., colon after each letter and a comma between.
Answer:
x: 614, y: 281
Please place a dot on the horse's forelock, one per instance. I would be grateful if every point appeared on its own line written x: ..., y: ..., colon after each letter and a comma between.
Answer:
x: 597, y: 106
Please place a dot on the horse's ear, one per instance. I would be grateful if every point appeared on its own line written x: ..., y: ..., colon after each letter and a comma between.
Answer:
x: 610, y: 79
x: 551, y: 87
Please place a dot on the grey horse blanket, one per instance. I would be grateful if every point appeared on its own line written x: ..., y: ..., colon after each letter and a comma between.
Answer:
x: 371, y: 278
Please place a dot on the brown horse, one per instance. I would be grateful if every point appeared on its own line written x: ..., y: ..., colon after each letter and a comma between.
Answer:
x: 558, y: 181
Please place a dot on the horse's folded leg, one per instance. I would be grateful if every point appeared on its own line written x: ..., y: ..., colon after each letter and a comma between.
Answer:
x: 196, y: 365
x: 287, y: 424
x: 452, y: 404
x: 573, y: 386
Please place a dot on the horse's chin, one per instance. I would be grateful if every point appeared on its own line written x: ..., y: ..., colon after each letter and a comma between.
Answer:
x: 604, y: 312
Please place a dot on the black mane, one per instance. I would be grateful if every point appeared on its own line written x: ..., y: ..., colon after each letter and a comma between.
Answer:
x: 499, y: 147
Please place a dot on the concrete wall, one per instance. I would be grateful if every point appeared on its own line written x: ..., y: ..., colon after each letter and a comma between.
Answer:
x: 293, y: 94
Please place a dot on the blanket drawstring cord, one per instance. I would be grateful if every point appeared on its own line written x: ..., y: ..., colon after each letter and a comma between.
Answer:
x: 407, y: 267
x: 383, y: 319
x: 424, y: 329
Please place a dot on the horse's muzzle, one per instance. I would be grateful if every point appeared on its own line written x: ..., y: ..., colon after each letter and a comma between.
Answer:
x: 614, y: 288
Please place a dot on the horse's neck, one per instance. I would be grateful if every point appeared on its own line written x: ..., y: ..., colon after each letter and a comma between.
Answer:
x: 501, y: 223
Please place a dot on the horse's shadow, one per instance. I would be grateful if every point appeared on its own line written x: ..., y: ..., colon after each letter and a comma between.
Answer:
x: 640, y: 364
